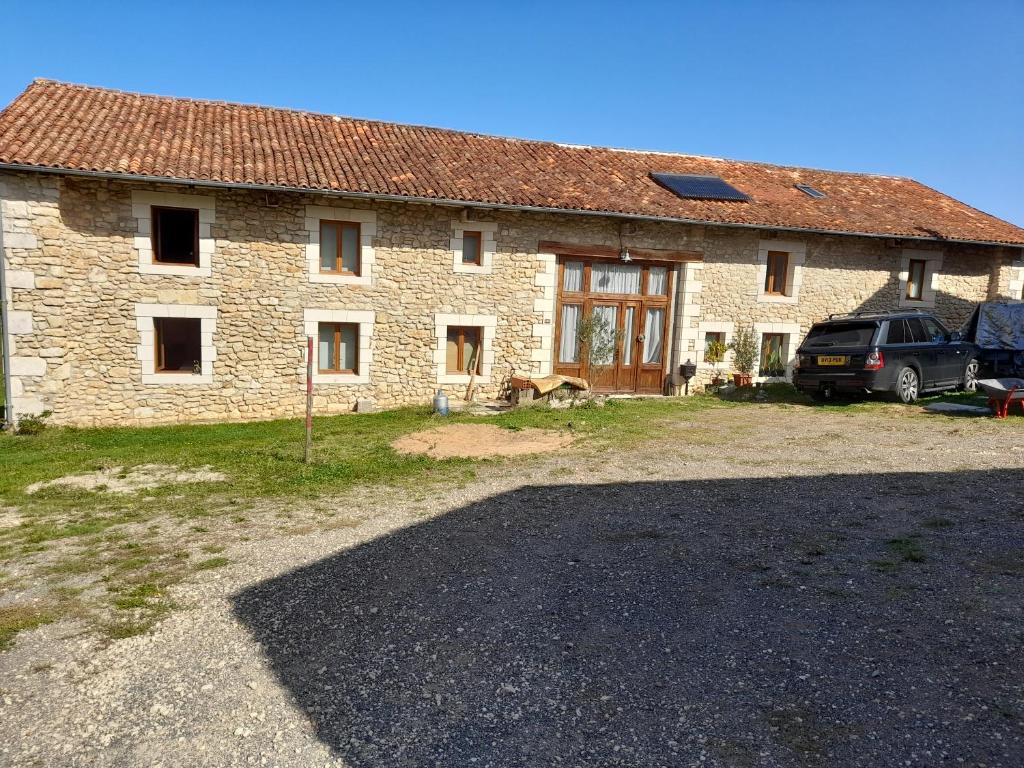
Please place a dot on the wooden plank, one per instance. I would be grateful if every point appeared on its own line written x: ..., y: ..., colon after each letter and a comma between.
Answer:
x: 609, y: 252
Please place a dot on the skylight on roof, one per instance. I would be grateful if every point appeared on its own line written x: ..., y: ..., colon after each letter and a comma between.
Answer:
x: 699, y: 187
x: 810, y: 191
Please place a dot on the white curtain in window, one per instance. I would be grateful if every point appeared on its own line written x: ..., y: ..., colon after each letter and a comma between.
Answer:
x: 614, y: 278
x: 568, y: 348
x: 628, y: 336
x: 326, y: 361
x: 657, y: 281
x: 653, y: 340
x: 573, y: 276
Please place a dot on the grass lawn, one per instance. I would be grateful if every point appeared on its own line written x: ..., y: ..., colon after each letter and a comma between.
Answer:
x: 109, y: 558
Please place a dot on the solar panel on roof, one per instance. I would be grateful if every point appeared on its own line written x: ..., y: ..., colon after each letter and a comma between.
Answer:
x: 807, y: 189
x: 699, y: 187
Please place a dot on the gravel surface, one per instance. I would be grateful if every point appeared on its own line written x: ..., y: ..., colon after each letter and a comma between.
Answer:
x: 772, y: 586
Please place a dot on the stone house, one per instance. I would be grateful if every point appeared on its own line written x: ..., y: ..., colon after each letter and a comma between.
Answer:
x: 165, y: 260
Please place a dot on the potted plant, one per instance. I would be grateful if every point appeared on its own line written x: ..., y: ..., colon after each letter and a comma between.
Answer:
x: 744, y: 348
x: 714, y: 354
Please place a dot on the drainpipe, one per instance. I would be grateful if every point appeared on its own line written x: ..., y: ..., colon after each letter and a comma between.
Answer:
x: 7, y: 416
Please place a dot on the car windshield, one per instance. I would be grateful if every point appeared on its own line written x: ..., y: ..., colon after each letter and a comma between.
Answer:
x: 841, y: 335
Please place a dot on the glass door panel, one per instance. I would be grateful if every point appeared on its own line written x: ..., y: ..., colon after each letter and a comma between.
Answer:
x: 654, y: 335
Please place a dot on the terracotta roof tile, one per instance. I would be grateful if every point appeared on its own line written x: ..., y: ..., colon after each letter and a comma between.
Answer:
x: 60, y: 126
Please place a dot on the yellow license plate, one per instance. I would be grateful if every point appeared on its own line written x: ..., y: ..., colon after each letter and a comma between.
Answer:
x: 831, y: 359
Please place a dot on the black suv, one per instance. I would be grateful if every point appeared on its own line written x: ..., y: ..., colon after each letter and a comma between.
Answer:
x: 903, y: 352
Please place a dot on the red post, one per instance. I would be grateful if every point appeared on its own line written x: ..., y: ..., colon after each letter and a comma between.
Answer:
x: 309, y: 400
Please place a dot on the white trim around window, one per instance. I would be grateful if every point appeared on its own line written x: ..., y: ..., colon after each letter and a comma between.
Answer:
x: 367, y: 221
x: 789, y: 346
x: 146, y: 350
x: 709, y: 326
x: 488, y: 247
x: 933, y: 263
x: 487, y: 324
x: 797, y: 253
x: 311, y: 319
x: 142, y: 211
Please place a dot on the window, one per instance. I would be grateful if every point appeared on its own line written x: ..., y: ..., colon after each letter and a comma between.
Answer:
x: 916, y: 333
x: 775, y: 275
x: 572, y: 277
x: 657, y: 281
x: 339, y: 347
x: 463, y: 349
x: 175, y: 236
x: 915, y: 279
x: 610, y: 277
x: 772, y: 363
x: 339, y: 247
x: 568, y: 343
x: 471, y: 247
x: 714, y: 346
x: 844, y: 334
x: 936, y: 333
x: 178, y: 345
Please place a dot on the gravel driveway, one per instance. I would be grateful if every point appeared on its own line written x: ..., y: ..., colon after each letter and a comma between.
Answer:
x: 776, y: 586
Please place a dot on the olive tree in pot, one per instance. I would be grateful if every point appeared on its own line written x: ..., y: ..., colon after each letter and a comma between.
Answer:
x: 744, y: 355
x: 714, y: 354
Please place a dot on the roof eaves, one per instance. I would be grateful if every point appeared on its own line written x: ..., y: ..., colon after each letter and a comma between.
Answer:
x: 212, y: 183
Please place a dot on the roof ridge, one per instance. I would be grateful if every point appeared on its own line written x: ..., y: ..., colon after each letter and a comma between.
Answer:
x: 456, y: 131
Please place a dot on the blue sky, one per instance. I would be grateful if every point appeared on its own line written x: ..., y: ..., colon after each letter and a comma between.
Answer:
x: 932, y: 90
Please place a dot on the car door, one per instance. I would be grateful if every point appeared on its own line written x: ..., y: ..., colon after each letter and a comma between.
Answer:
x: 949, y: 355
x: 924, y: 352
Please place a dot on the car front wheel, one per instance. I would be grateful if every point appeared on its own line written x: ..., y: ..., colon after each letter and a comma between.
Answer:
x: 971, y: 377
x: 907, y: 386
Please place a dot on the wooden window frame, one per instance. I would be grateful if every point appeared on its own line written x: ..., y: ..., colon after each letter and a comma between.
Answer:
x: 912, y: 265
x: 337, y: 349
x: 339, y: 241
x: 154, y: 219
x: 478, y: 258
x: 460, y: 357
x: 160, y: 353
x: 771, y: 288
x: 761, y: 354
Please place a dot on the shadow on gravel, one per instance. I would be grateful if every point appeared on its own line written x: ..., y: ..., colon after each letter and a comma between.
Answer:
x: 837, y: 620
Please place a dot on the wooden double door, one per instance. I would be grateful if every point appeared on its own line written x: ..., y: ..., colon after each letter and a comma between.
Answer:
x: 612, y: 323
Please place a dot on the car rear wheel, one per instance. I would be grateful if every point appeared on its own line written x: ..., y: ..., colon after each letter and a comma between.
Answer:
x: 970, y: 383
x: 908, y: 385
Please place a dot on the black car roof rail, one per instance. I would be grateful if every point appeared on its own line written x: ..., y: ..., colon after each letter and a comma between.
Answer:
x: 878, y: 312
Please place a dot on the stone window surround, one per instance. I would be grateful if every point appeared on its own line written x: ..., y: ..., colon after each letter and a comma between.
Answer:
x: 367, y: 221
x: 142, y: 210
x: 1016, y: 285
x: 146, y: 350
x: 488, y: 324
x: 794, y: 270
x: 544, y: 305
x: 933, y: 263
x: 364, y: 318
x: 709, y: 326
x: 488, y: 246
x: 789, y: 346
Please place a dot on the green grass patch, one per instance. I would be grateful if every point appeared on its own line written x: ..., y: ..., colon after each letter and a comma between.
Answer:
x: 18, y: 618
x: 212, y: 562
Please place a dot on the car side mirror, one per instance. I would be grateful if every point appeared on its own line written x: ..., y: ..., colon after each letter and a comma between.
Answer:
x: 955, y: 336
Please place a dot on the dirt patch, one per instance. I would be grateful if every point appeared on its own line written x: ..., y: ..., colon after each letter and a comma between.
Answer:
x: 477, y: 441
x: 9, y: 517
x: 120, y: 480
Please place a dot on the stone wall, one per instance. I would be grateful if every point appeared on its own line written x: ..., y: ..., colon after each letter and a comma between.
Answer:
x: 81, y: 301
